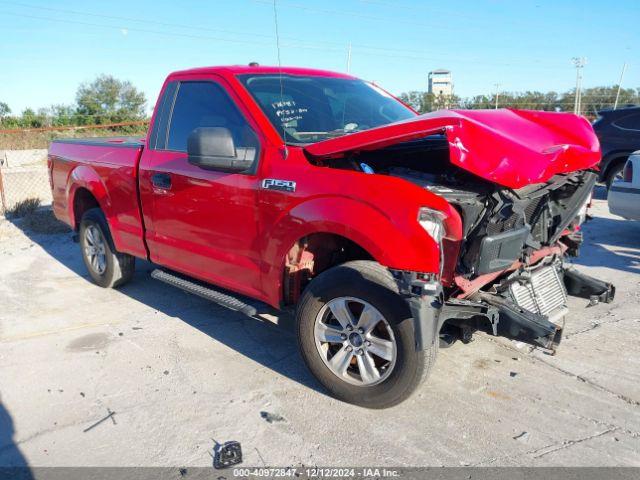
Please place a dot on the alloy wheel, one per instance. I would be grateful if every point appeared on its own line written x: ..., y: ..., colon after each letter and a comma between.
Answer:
x: 94, y: 249
x: 355, y: 341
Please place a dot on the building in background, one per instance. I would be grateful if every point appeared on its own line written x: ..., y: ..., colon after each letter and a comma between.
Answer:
x: 441, y: 82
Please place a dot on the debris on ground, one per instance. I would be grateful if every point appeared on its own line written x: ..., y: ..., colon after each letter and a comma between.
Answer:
x: 227, y: 454
x: 523, y: 437
x: 272, y: 417
x: 109, y: 416
x: 513, y: 374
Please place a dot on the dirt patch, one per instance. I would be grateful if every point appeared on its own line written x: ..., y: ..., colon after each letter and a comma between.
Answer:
x: 92, y: 341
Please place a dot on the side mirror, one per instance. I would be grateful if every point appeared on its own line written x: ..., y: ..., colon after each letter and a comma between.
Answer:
x: 212, y: 148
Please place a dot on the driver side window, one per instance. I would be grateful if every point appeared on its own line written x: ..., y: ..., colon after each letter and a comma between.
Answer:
x: 206, y: 104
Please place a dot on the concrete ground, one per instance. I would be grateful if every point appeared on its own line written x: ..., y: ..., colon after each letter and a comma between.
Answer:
x: 181, y: 373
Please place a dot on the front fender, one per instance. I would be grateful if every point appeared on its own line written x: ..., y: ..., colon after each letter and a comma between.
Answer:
x: 397, y: 242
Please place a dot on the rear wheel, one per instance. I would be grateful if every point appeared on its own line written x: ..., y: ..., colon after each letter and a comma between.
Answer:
x: 107, y: 267
x: 356, y: 335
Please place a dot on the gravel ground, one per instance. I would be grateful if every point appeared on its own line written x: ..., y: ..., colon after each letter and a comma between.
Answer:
x: 181, y: 373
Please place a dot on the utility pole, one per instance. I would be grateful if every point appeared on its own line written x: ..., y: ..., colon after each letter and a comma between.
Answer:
x: 349, y: 59
x: 579, y: 63
x: 497, y: 85
x: 624, y: 67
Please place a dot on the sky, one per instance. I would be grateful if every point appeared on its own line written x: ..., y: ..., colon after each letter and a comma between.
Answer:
x: 47, y: 48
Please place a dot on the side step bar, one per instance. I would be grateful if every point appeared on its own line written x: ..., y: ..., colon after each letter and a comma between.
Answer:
x: 202, y: 290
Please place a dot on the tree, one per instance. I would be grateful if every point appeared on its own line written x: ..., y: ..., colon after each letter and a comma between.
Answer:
x: 4, y: 111
x: 109, y: 100
x: 599, y: 98
x: 427, y: 102
x: 414, y: 99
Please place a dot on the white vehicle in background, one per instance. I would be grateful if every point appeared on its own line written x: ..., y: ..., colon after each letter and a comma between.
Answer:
x: 624, y: 195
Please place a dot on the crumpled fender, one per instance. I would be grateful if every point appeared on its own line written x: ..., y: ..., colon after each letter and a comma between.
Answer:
x: 360, y: 222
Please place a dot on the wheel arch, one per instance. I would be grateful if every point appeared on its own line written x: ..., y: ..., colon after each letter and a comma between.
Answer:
x: 393, y: 241
x: 86, y: 190
x: 611, y: 160
x: 313, y: 254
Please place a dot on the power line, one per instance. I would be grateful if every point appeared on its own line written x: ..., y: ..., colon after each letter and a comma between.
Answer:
x: 315, y: 45
x: 133, y: 19
x: 246, y: 42
x: 89, y: 24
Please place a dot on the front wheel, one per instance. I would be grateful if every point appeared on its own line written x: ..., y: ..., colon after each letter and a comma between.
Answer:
x: 107, y: 267
x: 356, y: 335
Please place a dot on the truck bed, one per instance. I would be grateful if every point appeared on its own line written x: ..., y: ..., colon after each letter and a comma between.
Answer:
x: 108, y: 168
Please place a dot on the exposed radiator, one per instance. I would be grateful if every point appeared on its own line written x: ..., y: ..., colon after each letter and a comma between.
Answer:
x: 542, y: 291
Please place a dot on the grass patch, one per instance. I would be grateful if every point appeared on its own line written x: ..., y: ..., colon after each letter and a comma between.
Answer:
x: 29, y: 216
x: 23, y: 208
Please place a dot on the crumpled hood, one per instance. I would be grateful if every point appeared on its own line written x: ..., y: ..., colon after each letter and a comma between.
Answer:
x: 513, y: 148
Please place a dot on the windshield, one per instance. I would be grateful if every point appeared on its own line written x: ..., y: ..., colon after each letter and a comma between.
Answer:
x: 311, y: 109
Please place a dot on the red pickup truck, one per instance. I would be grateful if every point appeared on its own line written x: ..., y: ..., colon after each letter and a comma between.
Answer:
x: 390, y: 233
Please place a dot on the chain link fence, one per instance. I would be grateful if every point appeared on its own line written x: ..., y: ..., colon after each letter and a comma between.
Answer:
x: 23, y: 176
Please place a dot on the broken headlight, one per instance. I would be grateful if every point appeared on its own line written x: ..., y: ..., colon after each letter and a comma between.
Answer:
x: 433, y: 222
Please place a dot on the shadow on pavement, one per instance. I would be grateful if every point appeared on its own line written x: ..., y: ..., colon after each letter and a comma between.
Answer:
x: 612, y: 243
x: 12, y: 462
x: 269, y: 342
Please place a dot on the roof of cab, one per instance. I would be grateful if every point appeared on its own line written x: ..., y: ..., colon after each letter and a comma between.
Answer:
x: 232, y: 70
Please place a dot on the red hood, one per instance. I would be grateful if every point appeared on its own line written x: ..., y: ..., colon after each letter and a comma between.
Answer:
x: 513, y: 148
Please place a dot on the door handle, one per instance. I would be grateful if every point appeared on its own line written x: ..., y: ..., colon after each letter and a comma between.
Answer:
x: 161, y: 180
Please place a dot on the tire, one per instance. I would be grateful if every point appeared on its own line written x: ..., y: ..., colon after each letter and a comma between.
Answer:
x: 107, y: 267
x: 360, y: 285
x: 613, y: 172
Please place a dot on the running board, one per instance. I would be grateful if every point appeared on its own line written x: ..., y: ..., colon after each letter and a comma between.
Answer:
x: 196, y: 288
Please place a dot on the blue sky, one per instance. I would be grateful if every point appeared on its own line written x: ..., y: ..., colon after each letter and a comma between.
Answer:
x: 48, y: 47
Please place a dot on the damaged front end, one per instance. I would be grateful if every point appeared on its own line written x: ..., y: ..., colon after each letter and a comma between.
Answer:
x: 528, y: 305
x: 514, y: 260
x: 521, y: 182
x: 511, y: 278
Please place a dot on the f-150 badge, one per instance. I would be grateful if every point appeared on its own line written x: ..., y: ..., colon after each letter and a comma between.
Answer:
x: 282, y: 185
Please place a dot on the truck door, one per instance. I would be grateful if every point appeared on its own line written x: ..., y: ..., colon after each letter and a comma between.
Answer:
x: 201, y: 222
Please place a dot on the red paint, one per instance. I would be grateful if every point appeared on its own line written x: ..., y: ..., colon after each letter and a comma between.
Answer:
x: 226, y: 229
x: 513, y: 148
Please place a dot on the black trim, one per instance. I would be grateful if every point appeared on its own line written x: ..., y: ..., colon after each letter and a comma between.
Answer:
x: 160, y: 123
x: 127, y: 142
x: 617, y: 188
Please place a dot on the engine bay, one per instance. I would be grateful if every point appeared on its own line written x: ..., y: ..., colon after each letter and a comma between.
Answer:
x: 500, y: 225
